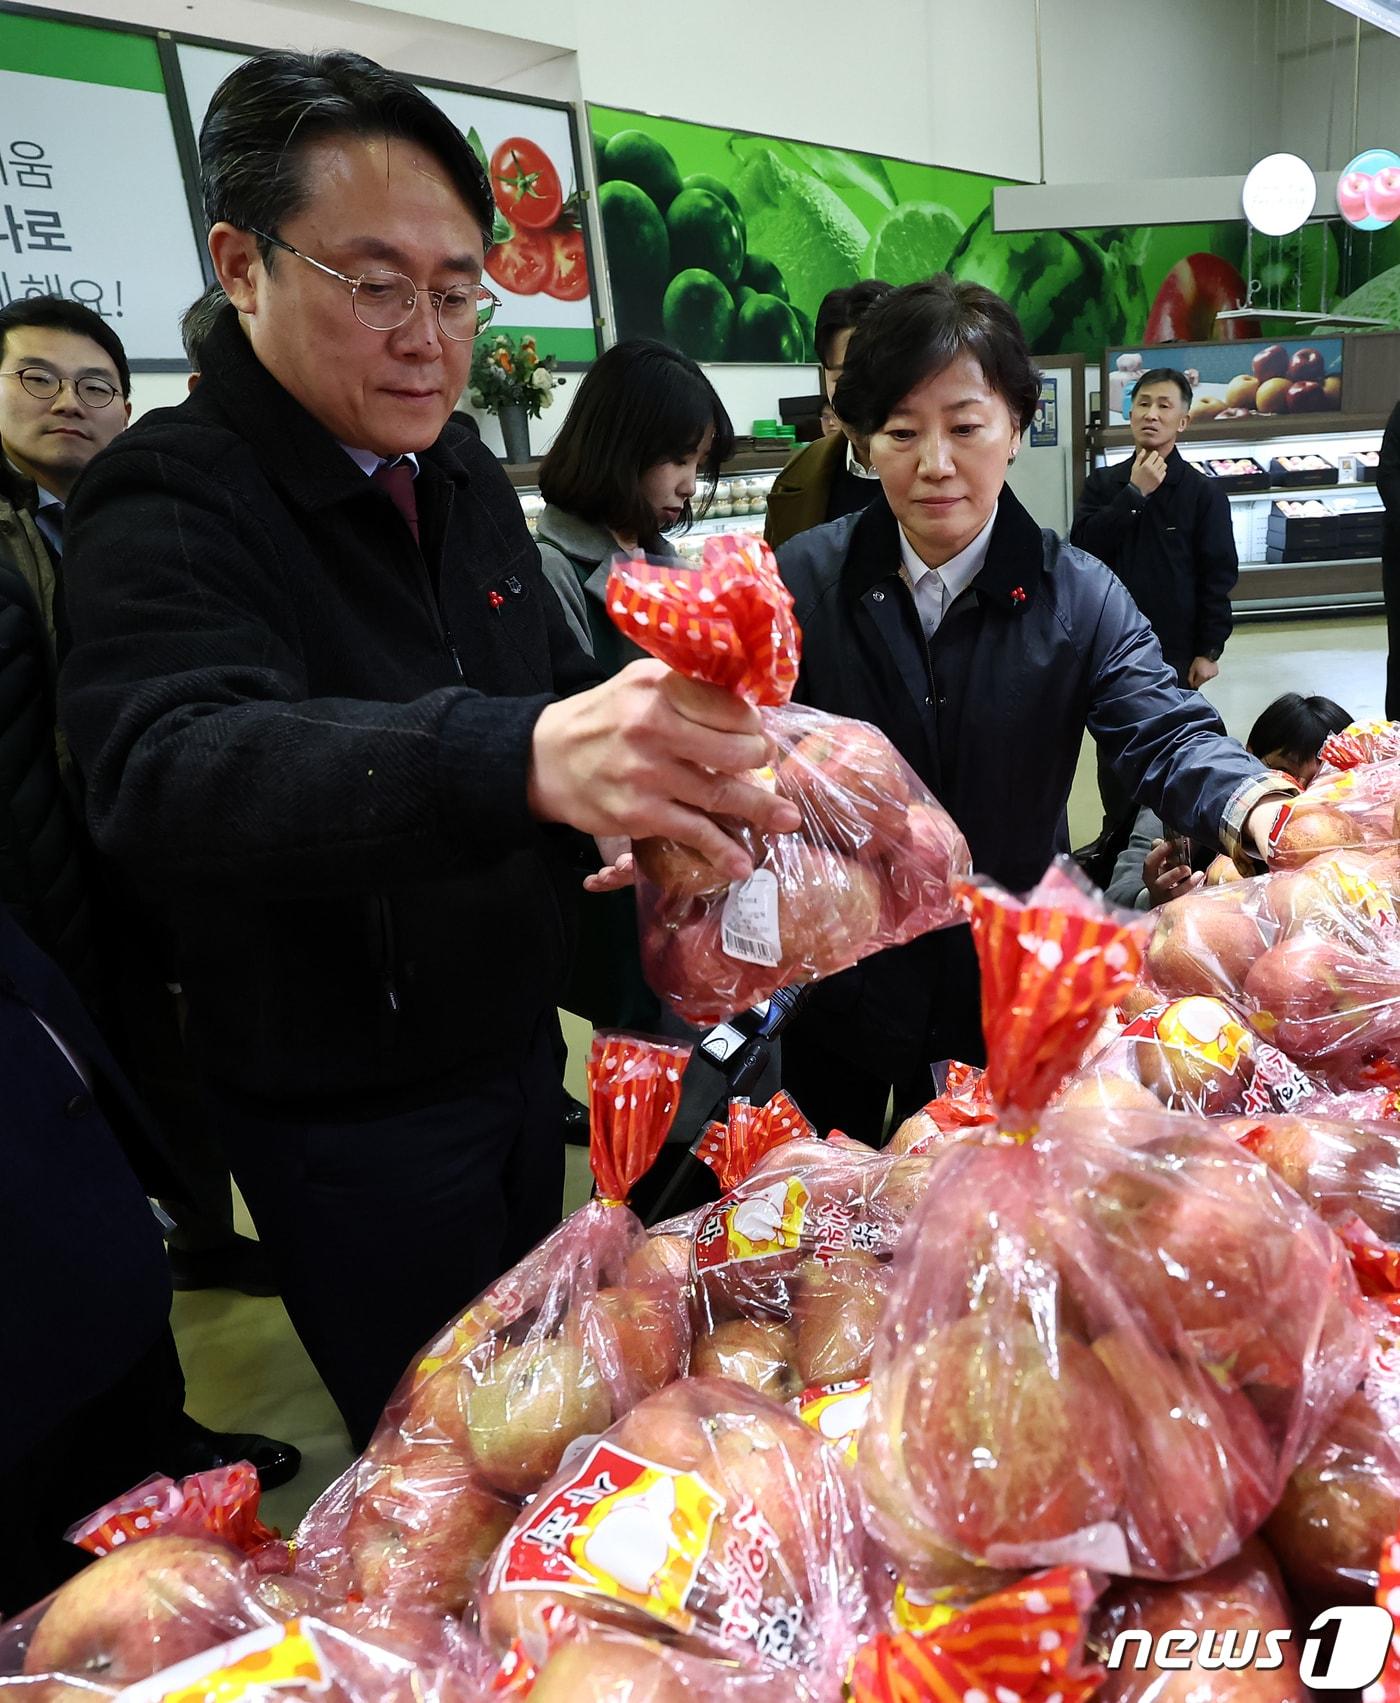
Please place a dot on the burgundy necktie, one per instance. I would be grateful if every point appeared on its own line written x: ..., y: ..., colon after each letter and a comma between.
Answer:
x: 397, y: 479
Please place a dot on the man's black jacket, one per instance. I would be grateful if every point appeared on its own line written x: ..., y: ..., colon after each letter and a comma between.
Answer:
x: 990, y: 714
x: 308, y: 742
x: 1175, y: 552
x: 43, y: 855
x: 84, y: 1284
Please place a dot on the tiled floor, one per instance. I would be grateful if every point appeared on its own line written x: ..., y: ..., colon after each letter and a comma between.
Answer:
x: 244, y: 1366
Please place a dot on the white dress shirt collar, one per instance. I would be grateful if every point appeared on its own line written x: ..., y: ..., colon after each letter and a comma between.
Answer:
x: 935, y: 589
x: 853, y: 465
x: 369, y: 463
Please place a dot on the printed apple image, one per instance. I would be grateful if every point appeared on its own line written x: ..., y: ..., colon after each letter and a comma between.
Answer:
x: 1307, y: 364
x: 1383, y: 195
x: 631, y: 1542
x: 1351, y: 196
x: 1270, y: 363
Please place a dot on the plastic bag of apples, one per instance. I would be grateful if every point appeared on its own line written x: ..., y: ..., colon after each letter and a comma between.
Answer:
x: 1112, y: 1335
x: 1362, y: 742
x: 790, y: 1268
x: 872, y: 862
x: 711, y: 1517
x: 179, y: 1615
x: 1354, y: 807
x: 1310, y: 955
x: 568, y: 1341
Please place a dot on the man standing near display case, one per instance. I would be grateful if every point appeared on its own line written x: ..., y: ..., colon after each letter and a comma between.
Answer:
x: 1165, y: 530
x: 331, y: 718
x: 832, y: 476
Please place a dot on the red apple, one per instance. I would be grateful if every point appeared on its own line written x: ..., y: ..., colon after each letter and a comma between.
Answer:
x: 680, y: 872
x: 828, y: 911
x: 614, y: 1670
x: 1351, y: 196
x: 1311, y: 997
x: 850, y: 784
x: 1270, y: 363
x: 1104, y: 1093
x: 1309, y: 830
x: 1222, y: 871
x: 1306, y: 398
x: 423, y: 1529
x: 751, y: 1352
x: 1204, y: 943
x: 1009, y: 1439
x: 1197, y: 288
x: 1383, y: 195
x: 1339, y: 1169
x: 685, y: 962
x: 839, y: 1305
x: 527, y: 1406
x: 638, y: 1338
x: 142, y: 1608
x: 1202, y: 1474
x: 659, y: 1261
x: 1241, y: 1597
x: 1340, y: 1506
x: 1307, y: 364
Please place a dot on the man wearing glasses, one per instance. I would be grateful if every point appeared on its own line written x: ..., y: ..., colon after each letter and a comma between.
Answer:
x: 328, y: 711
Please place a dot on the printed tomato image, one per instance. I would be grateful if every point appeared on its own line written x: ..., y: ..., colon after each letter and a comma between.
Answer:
x: 526, y: 185
x: 568, y: 279
x: 524, y: 265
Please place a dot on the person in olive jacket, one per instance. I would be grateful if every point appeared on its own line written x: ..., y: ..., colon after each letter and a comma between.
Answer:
x: 334, y: 726
x: 1388, y: 484
x: 984, y: 647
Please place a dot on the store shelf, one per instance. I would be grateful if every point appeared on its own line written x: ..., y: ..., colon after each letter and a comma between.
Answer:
x: 1273, y: 591
x: 1255, y: 430
x: 1355, y: 489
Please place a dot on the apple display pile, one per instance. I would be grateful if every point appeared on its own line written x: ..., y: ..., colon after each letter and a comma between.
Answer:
x: 1279, y: 381
x: 873, y: 862
x: 1111, y: 1336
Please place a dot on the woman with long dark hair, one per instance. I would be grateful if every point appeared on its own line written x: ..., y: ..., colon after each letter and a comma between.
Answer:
x: 645, y: 436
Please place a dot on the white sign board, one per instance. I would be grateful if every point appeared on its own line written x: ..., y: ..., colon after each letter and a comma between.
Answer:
x: 93, y: 208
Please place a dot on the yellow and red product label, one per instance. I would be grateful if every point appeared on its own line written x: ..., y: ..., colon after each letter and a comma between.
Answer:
x: 1358, y: 894
x: 270, y: 1659
x: 753, y: 1223
x: 837, y: 1413
x: 621, y: 1527
x: 1205, y: 1029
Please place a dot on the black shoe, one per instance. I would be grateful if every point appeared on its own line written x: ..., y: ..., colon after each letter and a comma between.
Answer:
x: 576, y: 1123
x: 195, y: 1448
x: 241, y: 1264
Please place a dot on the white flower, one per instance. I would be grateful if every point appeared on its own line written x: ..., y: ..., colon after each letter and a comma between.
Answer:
x: 546, y: 400
x: 542, y: 379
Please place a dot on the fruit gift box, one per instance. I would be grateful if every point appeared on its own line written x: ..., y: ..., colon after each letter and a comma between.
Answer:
x: 873, y: 860
x: 561, y: 1346
x: 1112, y: 1334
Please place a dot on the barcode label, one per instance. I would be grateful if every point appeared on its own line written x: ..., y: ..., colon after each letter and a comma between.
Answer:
x: 749, y: 922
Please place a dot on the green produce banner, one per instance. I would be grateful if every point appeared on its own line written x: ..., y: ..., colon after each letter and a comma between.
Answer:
x: 724, y: 243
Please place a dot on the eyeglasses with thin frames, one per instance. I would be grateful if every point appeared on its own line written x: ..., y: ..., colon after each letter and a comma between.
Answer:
x: 44, y: 386
x: 382, y: 301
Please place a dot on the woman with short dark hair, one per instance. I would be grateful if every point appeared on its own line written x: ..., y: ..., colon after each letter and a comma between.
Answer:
x: 645, y: 433
x: 984, y: 647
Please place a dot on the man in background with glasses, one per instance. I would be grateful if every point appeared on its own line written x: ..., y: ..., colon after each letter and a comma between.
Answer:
x: 64, y: 383
x: 329, y: 713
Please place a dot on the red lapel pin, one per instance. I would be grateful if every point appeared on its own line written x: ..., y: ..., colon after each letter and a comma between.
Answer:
x: 1018, y: 594
x: 495, y: 599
